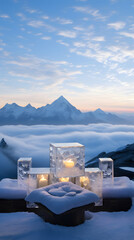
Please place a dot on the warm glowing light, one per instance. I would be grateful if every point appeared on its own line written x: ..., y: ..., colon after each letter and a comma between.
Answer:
x: 68, y: 163
x: 84, y: 181
x: 43, y: 181
x: 64, y: 179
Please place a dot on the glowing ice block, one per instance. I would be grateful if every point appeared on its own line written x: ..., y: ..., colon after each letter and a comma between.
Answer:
x: 38, y: 177
x: 67, y: 159
x: 92, y: 180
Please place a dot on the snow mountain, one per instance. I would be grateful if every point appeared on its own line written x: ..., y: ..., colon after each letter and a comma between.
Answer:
x: 107, y: 117
x: 57, y: 113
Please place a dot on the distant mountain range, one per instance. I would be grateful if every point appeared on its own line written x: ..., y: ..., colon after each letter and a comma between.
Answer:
x: 60, y: 112
x: 123, y: 158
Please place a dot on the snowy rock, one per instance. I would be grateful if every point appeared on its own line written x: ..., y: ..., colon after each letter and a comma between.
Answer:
x: 61, y: 197
x: 3, y: 143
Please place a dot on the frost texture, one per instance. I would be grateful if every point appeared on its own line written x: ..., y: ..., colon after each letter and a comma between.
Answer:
x: 61, y: 154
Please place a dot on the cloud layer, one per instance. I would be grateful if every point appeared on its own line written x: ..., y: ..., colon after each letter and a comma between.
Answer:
x: 33, y: 141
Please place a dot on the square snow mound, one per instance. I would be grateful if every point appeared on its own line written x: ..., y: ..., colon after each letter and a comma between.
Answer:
x: 122, y: 187
x: 61, y: 197
x: 9, y: 189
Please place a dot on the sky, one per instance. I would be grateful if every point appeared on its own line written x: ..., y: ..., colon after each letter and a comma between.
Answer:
x: 81, y: 49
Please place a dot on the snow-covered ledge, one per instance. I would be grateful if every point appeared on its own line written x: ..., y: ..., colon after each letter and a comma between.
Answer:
x: 122, y: 187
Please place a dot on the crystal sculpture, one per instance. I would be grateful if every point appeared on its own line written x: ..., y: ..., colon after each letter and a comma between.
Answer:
x: 92, y: 180
x: 38, y: 177
x: 67, y: 159
x: 23, y: 167
x: 106, y: 166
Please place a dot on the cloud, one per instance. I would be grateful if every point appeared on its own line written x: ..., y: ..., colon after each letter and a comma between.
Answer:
x: 4, y: 16
x: 97, y: 54
x: 117, y: 25
x: 41, y: 71
x: 45, y: 17
x: 106, y: 55
x: 126, y: 34
x: 40, y: 24
x: 68, y: 34
x: 93, y: 12
x: 128, y: 72
x: 2, y: 43
x: 33, y: 141
x: 63, y: 21
x: 46, y: 38
x: 62, y: 43
x: 79, y: 44
x: 79, y: 28
x: 99, y: 39
x: 31, y: 11
x: 36, y: 24
x: 22, y: 16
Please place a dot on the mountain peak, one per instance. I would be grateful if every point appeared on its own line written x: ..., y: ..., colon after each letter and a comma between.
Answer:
x: 99, y: 110
x: 28, y: 105
x: 61, y: 100
x: 12, y: 105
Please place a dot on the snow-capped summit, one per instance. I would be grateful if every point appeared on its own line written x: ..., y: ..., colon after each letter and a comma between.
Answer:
x: 61, y: 104
x: 99, y: 111
x: 61, y: 111
x: 107, y: 117
x: 10, y: 106
x: 11, y: 110
x: 28, y: 106
x: 61, y: 100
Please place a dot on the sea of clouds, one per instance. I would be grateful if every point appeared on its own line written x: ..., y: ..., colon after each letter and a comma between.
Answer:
x: 33, y: 141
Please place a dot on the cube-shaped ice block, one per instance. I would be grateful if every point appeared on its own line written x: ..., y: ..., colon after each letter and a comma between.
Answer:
x: 106, y: 166
x: 23, y: 167
x: 92, y: 180
x: 67, y: 159
x: 38, y: 177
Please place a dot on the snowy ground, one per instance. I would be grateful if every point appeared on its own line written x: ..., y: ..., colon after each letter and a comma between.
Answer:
x: 103, y: 225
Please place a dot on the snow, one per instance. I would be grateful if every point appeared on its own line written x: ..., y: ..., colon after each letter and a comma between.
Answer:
x: 61, y: 197
x: 60, y: 111
x: 102, y: 225
x: 130, y: 169
x: 121, y: 188
x: 16, y: 110
x: 9, y: 189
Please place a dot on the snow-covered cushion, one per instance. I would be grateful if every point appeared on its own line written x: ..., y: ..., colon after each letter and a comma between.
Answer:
x: 9, y: 189
x: 122, y: 187
x: 61, y: 197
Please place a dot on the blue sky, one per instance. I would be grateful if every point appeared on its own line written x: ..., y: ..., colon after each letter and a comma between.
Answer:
x: 81, y: 49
